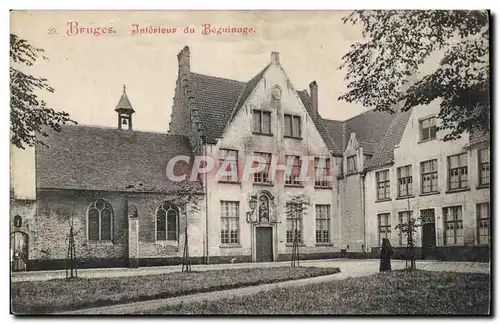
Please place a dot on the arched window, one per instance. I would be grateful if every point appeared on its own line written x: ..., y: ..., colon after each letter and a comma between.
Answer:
x: 100, y: 220
x: 167, y: 222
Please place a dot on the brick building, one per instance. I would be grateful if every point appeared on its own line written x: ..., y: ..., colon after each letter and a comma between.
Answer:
x: 112, y: 184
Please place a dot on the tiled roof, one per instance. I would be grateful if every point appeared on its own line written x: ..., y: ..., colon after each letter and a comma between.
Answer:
x: 319, y: 123
x: 216, y: 98
x: 247, y: 90
x: 335, y: 128
x: 478, y: 137
x: 384, y: 152
x: 108, y: 159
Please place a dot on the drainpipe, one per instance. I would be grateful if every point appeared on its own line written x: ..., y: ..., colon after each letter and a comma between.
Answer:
x: 363, y: 208
x: 207, y: 259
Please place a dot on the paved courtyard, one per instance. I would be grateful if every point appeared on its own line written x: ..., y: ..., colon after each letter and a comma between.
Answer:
x: 348, y: 268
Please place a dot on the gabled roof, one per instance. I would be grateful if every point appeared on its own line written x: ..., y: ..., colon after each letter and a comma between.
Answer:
x: 384, y: 151
x: 109, y: 159
x: 219, y: 99
x: 216, y: 98
x: 319, y: 123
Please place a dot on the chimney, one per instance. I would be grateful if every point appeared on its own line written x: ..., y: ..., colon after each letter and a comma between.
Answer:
x: 184, y: 60
x: 275, y: 58
x: 313, y: 87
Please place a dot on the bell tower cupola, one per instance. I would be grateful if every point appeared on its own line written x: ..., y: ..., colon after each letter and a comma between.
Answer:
x: 125, y: 111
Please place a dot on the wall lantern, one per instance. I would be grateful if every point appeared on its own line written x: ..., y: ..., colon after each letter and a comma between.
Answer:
x: 253, y: 205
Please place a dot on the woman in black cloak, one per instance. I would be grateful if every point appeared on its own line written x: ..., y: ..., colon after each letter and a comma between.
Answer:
x: 385, y: 255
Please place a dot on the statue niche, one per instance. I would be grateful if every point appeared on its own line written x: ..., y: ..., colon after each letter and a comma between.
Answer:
x: 263, y: 208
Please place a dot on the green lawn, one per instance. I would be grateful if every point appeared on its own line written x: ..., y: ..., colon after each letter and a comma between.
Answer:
x: 397, y: 292
x: 41, y: 297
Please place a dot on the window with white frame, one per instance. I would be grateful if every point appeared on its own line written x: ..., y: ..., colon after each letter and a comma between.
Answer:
x: 230, y: 158
x: 230, y: 222
x: 457, y: 171
x: 404, y: 218
x: 405, y: 181
x: 484, y: 166
x: 383, y: 185
x: 263, y: 176
x: 293, y: 222
x: 321, y: 172
x: 453, y: 225
x: 294, y: 177
x: 483, y: 223
x: 384, y: 227
x: 429, y: 172
x: 428, y: 128
x: 167, y: 222
x: 100, y: 220
x: 323, y: 223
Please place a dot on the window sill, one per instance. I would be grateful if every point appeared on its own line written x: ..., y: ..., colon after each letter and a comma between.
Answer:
x: 430, y: 193
x: 265, y: 184
x: 323, y: 187
x: 263, y: 134
x: 293, y: 137
x: 294, y: 185
x: 382, y: 200
x: 457, y: 190
x: 483, y: 186
x: 351, y: 173
x: 291, y: 245
x: 324, y: 244
x: 405, y: 197
x: 427, y: 140
x: 228, y: 245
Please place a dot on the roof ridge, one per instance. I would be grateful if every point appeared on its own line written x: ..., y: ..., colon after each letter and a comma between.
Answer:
x: 213, y: 76
x: 111, y: 128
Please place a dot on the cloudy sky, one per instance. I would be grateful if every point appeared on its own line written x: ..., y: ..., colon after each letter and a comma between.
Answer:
x: 88, y: 72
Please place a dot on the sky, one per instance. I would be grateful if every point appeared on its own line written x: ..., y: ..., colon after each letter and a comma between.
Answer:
x: 88, y: 72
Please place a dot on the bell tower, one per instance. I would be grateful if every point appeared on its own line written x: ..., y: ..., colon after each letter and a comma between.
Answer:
x: 125, y: 111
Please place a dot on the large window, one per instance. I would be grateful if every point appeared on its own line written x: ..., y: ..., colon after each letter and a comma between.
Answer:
x: 261, y: 122
x: 167, y: 222
x: 384, y: 227
x: 323, y: 223
x: 483, y: 223
x: 263, y: 176
x: 321, y: 172
x: 292, y: 126
x: 484, y: 166
x: 404, y: 218
x: 100, y: 220
x: 293, y: 222
x: 457, y: 172
x: 351, y: 164
x: 230, y: 158
x: 383, y: 185
x: 427, y: 128
x: 453, y: 225
x: 230, y: 222
x: 429, y: 172
x: 294, y: 177
x: 405, y: 181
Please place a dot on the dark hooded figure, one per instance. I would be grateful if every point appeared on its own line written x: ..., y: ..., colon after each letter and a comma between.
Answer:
x: 385, y: 255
